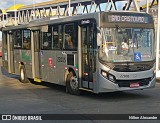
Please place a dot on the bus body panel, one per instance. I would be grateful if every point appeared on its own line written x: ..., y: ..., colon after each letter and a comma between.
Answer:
x: 54, y: 65
x: 37, y: 64
x: 48, y: 61
x: 24, y: 57
x: 16, y: 61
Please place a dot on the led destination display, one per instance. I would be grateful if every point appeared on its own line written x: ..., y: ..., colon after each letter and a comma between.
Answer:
x: 126, y: 18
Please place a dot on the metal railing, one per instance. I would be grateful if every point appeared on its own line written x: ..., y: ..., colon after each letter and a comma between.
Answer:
x: 54, y: 9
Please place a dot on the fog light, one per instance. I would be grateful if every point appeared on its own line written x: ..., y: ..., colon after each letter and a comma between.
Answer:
x: 111, y: 78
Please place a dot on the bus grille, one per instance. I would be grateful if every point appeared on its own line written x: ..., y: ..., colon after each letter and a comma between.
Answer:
x: 132, y: 68
x: 126, y: 83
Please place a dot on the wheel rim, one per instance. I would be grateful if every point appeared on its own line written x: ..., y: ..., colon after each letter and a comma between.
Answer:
x: 74, y: 82
x: 22, y: 74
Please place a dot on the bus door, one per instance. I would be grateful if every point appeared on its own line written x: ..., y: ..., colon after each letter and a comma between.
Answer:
x: 11, y: 53
x: 7, y: 51
x: 88, y: 55
x: 4, y: 50
x: 36, y: 54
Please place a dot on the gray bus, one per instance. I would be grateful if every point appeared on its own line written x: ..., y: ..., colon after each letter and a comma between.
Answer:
x: 97, y: 52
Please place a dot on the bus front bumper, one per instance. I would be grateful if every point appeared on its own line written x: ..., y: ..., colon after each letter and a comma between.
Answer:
x: 108, y: 86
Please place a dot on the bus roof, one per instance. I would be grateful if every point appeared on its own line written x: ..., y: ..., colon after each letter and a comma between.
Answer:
x: 65, y: 19
x: 53, y: 20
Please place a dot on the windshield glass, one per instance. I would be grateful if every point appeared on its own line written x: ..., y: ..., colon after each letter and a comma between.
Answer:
x: 126, y: 44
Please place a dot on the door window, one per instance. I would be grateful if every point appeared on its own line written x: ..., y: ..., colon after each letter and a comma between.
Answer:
x: 26, y: 39
x: 17, y: 38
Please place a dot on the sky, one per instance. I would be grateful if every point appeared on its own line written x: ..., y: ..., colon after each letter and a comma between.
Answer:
x: 4, y: 4
x: 7, y: 3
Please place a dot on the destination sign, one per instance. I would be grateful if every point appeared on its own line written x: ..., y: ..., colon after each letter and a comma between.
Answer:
x: 85, y: 21
x: 127, y: 18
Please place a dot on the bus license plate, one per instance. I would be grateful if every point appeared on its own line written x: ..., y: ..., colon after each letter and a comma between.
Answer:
x: 134, y: 85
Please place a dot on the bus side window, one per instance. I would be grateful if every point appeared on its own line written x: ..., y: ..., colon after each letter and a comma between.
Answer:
x: 57, y: 37
x: 47, y: 39
x: 17, y: 39
x: 70, y: 36
x: 26, y: 39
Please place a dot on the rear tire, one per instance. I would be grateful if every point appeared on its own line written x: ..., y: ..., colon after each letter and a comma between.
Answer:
x: 72, y: 84
x: 23, y: 76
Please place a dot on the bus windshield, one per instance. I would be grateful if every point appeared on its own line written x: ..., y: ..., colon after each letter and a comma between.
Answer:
x: 126, y: 44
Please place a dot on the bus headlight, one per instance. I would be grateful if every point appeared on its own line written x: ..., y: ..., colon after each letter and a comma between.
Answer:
x: 104, y: 74
x: 108, y: 76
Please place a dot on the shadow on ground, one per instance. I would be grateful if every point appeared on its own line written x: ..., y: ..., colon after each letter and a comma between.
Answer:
x: 4, y: 72
x: 109, y: 95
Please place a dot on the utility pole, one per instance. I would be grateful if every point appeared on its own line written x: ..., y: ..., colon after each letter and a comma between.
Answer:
x: 69, y: 9
x: 147, y: 7
x: 15, y: 13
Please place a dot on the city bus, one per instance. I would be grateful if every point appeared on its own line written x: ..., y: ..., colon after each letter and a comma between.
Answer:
x: 97, y: 52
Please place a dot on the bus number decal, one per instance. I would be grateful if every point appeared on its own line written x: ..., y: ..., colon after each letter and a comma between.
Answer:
x: 61, y: 59
x: 124, y: 76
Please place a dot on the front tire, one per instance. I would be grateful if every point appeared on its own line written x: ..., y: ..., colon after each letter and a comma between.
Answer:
x: 23, y: 76
x: 72, y: 84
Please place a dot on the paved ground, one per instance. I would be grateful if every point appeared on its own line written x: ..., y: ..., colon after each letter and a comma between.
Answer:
x: 19, y: 98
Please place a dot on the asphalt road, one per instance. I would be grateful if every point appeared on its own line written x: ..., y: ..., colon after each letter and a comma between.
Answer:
x: 45, y: 98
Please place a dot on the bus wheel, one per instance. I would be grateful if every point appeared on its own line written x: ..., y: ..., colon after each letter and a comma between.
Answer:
x: 23, y: 77
x: 72, y: 84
